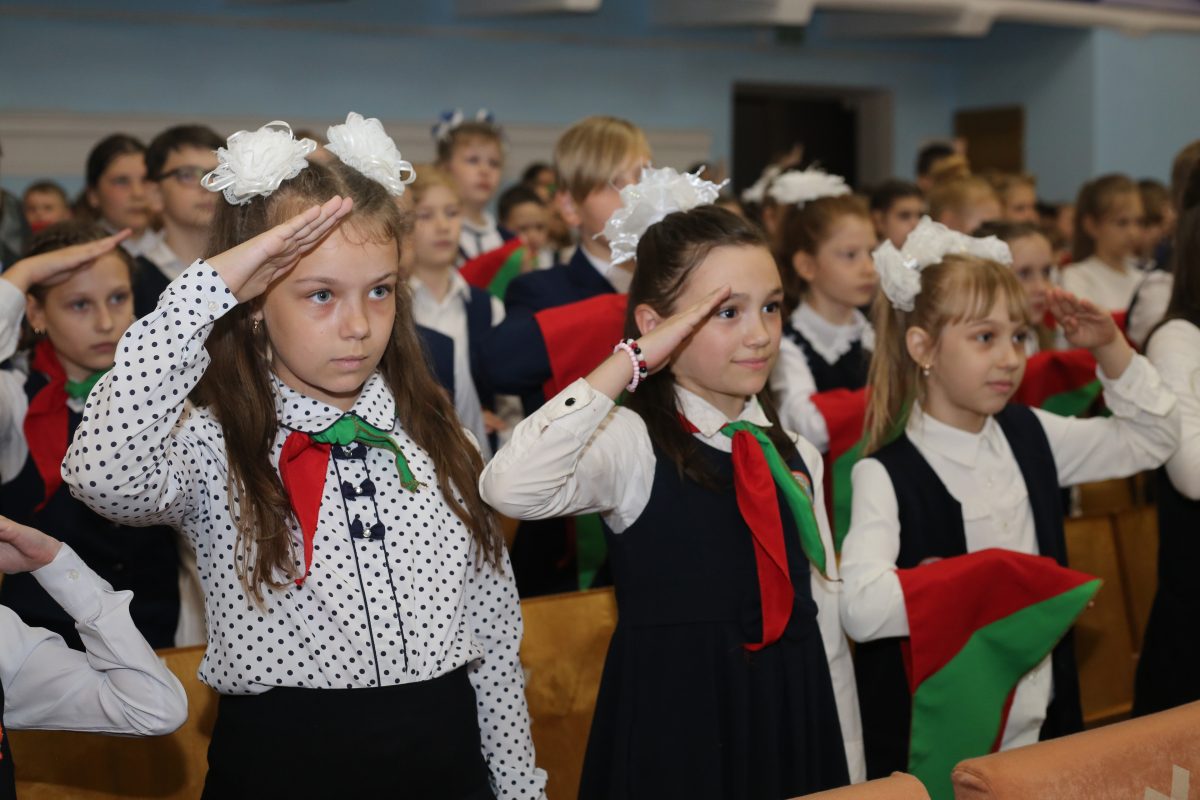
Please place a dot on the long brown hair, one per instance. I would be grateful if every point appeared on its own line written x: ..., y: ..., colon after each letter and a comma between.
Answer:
x: 1185, y: 255
x: 1095, y: 201
x: 666, y: 256
x: 803, y: 229
x: 958, y: 288
x: 259, y: 502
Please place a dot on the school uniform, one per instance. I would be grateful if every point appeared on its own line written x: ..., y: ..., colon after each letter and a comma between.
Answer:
x: 1149, y: 304
x: 439, y: 353
x: 475, y: 240
x: 38, y: 417
x: 685, y: 709
x: 466, y: 314
x: 1094, y: 280
x: 1166, y: 674
x: 938, y: 491
x: 396, y: 653
x: 156, y: 265
x: 119, y: 686
x: 817, y: 356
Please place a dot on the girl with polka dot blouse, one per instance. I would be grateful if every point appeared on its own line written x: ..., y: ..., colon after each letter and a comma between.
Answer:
x: 363, y: 623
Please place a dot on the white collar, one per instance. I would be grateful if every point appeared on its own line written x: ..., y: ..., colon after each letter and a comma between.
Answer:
x: 135, y: 246
x: 619, y: 277
x: 489, y: 224
x: 300, y: 412
x: 830, y: 341
x: 159, y: 253
x: 709, y: 420
x: 961, y: 447
x: 459, y: 288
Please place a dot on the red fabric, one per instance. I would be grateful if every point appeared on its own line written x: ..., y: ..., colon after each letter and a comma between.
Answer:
x: 481, y: 269
x: 759, y: 504
x: 579, y: 336
x: 1052, y: 372
x: 46, y: 420
x: 845, y: 412
x: 950, y: 599
x: 302, y: 466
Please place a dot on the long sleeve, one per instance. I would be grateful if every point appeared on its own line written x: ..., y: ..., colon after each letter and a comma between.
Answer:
x: 793, y: 384
x: 577, y: 454
x: 1149, y: 305
x: 118, y: 686
x: 872, y: 602
x: 1175, y: 351
x: 126, y: 462
x: 1141, y: 434
x: 13, y: 402
x: 494, y: 614
x: 514, y: 355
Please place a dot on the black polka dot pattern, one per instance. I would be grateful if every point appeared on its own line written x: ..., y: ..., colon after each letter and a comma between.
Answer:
x: 395, y: 594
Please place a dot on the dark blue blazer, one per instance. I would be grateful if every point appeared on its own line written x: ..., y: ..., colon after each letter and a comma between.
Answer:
x: 439, y: 352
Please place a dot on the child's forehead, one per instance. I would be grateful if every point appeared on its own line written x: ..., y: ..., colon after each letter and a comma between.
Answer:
x: 474, y: 143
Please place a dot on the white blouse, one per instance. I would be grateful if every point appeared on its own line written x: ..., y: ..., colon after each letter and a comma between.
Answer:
x: 405, y: 604
x: 792, y: 379
x: 981, y: 473
x: 1175, y: 350
x: 580, y: 453
x: 1108, y: 288
x: 118, y: 686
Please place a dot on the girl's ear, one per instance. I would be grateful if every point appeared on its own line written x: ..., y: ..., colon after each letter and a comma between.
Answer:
x: 568, y: 209
x: 920, y: 346
x: 35, y: 313
x: 92, y: 200
x: 805, y: 265
x: 647, y: 318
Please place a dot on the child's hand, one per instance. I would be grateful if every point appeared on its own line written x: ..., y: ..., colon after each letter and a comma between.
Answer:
x: 659, y: 344
x: 250, y: 267
x: 23, y: 549
x: 1084, y: 324
x: 58, y: 266
x: 493, y: 423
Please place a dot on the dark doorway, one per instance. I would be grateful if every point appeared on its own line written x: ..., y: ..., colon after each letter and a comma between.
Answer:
x: 995, y: 137
x: 769, y: 120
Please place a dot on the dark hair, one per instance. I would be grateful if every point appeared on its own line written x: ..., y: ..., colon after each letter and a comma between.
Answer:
x: 1185, y: 292
x: 514, y: 196
x: 467, y: 131
x: 67, y: 233
x: 1094, y: 201
x: 932, y: 153
x: 201, y: 137
x: 533, y: 170
x: 886, y: 194
x: 802, y: 230
x: 1155, y: 200
x: 1181, y: 168
x: 1008, y: 231
x: 46, y: 187
x: 666, y: 256
x: 248, y: 419
x: 108, y: 150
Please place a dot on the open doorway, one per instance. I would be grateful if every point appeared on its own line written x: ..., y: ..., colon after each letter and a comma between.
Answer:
x: 847, y: 132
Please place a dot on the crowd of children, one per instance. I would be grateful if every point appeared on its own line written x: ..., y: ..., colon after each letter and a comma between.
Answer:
x: 274, y: 395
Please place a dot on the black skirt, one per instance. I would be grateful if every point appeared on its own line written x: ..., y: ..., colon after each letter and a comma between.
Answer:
x: 418, y: 740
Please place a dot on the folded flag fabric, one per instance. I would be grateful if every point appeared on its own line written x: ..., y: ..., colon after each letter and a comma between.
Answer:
x: 494, y: 270
x: 977, y: 624
x: 579, y: 336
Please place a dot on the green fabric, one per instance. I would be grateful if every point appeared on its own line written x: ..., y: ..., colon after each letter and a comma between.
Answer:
x: 843, y: 489
x: 956, y: 712
x: 590, y: 548
x: 352, y: 428
x: 510, y: 269
x: 83, y: 388
x: 1073, y: 403
x: 797, y: 499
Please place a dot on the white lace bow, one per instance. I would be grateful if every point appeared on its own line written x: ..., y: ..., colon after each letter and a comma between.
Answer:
x: 254, y: 163
x: 363, y: 144
x: 658, y: 193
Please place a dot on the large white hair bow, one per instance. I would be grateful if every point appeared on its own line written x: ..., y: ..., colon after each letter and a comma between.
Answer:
x: 254, y: 163
x: 659, y: 192
x: 363, y: 144
x: 927, y: 244
x: 796, y: 188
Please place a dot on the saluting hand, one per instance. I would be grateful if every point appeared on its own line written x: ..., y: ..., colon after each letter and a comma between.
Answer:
x: 24, y: 549
x: 57, y: 266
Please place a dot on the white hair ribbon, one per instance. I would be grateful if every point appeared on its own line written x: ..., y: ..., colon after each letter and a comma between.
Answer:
x: 364, y: 145
x: 254, y: 163
x: 658, y: 193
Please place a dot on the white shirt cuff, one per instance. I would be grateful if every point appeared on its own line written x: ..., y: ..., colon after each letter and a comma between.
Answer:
x: 72, y: 584
x: 1138, y: 389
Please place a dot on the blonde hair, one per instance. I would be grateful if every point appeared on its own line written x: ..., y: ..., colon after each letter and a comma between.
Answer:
x: 959, y: 288
x: 954, y: 195
x: 1097, y: 199
x: 593, y: 150
x: 1004, y: 182
x: 428, y: 176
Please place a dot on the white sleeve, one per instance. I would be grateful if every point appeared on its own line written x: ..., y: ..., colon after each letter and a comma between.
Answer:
x: 126, y: 461
x: 826, y: 592
x: 1140, y: 435
x: 1175, y: 350
x: 118, y: 686
x: 793, y: 384
x: 576, y: 454
x: 13, y: 401
x: 872, y: 604
x: 1152, y: 298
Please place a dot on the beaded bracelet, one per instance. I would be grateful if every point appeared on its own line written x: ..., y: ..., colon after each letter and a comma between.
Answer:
x: 634, y: 351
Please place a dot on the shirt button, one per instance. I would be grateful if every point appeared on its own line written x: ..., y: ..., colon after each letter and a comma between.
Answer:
x: 570, y: 401
x: 212, y: 305
x: 73, y: 575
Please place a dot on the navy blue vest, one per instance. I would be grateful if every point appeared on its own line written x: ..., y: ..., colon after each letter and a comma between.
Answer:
x: 148, y: 283
x: 848, y: 372
x: 142, y: 560
x: 439, y: 352
x: 8, y: 781
x: 931, y: 524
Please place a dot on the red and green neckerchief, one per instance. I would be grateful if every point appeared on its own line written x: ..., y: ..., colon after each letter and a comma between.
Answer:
x: 760, y: 475
x: 494, y: 270
x: 304, y: 463
x: 47, y: 418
